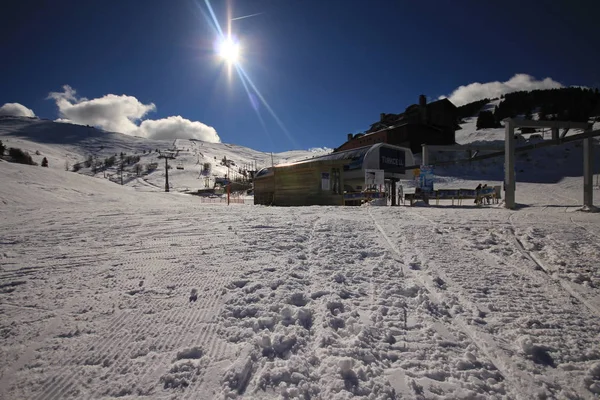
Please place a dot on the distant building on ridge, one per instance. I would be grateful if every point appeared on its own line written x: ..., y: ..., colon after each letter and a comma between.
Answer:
x: 434, y: 123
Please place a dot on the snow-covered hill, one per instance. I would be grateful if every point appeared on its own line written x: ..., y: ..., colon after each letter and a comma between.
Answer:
x: 468, y: 134
x: 545, y: 165
x: 67, y: 143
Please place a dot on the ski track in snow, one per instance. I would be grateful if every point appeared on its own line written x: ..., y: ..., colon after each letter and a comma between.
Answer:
x: 525, y: 289
x: 489, y: 349
x: 313, y: 302
x: 316, y: 302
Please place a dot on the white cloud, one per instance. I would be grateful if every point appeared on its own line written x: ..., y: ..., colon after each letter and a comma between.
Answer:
x: 477, y: 91
x: 16, y: 110
x: 64, y: 121
x: 110, y: 112
x: 177, y: 127
x: 123, y: 114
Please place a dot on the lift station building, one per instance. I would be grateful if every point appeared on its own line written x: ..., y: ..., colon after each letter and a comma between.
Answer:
x: 333, y: 179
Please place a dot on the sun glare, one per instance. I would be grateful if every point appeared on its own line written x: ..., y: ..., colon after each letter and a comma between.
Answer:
x: 229, y: 50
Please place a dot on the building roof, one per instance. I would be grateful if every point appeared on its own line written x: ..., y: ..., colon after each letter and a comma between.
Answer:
x: 444, y: 101
x: 340, y: 155
x: 355, y: 156
x: 409, y: 113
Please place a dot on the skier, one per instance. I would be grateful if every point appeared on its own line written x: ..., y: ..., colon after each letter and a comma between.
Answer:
x: 477, y: 190
x: 485, y: 197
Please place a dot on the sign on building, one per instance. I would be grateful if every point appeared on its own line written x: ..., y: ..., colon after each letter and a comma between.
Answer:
x: 426, y: 178
x: 392, y: 160
x: 374, y: 177
x: 325, y: 180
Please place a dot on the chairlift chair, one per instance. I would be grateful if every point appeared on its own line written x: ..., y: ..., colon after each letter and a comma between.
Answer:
x: 180, y: 165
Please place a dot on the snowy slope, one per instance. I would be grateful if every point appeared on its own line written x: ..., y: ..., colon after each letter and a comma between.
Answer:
x: 61, y: 143
x: 314, y: 302
x: 546, y: 165
x: 26, y: 186
x: 113, y: 291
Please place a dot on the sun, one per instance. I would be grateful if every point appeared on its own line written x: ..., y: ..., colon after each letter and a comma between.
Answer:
x: 229, y: 50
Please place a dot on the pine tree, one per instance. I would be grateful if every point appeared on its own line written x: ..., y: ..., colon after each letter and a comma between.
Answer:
x: 20, y: 156
x: 486, y: 120
x: 109, y: 162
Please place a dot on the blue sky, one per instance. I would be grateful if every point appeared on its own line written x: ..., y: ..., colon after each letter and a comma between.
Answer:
x: 325, y: 67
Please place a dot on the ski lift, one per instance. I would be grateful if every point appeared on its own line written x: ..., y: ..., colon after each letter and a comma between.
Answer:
x: 180, y: 165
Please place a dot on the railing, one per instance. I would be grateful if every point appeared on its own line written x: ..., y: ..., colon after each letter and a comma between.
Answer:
x: 223, y: 200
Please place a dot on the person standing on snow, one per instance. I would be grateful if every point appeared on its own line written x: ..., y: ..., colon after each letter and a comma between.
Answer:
x: 486, y: 198
x: 477, y: 191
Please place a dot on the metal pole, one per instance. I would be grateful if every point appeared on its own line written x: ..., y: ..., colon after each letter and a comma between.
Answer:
x: 555, y: 134
x: 166, y: 174
x: 509, y: 164
x: 425, y: 157
x: 588, y: 170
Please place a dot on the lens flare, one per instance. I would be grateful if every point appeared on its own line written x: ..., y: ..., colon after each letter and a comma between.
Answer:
x: 229, y: 50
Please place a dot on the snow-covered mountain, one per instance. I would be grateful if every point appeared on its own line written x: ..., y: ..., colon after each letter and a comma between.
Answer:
x: 70, y: 144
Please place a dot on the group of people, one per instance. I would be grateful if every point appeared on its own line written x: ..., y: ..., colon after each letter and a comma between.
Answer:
x: 479, y: 199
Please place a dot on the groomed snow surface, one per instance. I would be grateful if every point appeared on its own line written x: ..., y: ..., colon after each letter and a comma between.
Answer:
x: 113, y: 291
x: 126, y: 291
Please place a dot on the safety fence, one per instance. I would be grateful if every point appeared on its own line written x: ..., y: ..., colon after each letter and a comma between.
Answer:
x: 487, y: 194
x: 223, y: 200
